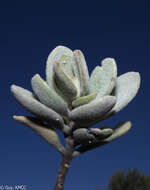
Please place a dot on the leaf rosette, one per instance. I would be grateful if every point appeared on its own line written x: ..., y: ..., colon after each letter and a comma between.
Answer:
x: 72, y: 101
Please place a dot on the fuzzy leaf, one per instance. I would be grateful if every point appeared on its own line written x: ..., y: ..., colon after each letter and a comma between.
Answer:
x: 64, y: 82
x: 81, y: 72
x: 66, y: 63
x: 101, y: 133
x: 96, y: 131
x: 91, y: 113
x: 30, y: 103
x: 48, y: 134
x: 82, y: 136
x: 83, y: 100
x: 95, y: 79
x: 103, y: 79
x: 60, y: 53
x: 119, y: 130
x: 126, y: 89
x: 48, y: 96
x: 107, y: 132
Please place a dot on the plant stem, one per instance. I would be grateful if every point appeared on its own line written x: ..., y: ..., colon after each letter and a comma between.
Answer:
x: 65, y: 164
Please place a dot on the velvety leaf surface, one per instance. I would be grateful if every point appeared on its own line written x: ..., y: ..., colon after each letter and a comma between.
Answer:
x: 81, y: 72
x: 119, y: 130
x: 48, y: 134
x: 126, y: 89
x: 107, y: 132
x: 101, y: 133
x: 48, y: 96
x: 95, y: 131
x: 66, y: 63
x: 30, y: 103
x: 91, y: 113
x: 82, y: 135
x: 95, y: 79
x: 103, y: 79
x: 60, y: 53
x: 64, y: 82
x: 83, y: 100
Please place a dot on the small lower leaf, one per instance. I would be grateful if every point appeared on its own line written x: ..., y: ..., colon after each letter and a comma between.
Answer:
x: 82, y: 136
x: 119, y: 130
x: 48, y: 134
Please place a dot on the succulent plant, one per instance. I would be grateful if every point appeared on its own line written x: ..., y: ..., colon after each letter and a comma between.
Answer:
x: 73, y: 102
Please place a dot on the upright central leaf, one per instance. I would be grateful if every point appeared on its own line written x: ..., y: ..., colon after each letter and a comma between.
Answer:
x: 60, y: 54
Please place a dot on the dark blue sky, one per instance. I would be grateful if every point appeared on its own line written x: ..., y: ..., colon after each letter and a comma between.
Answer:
x: 29, y: 30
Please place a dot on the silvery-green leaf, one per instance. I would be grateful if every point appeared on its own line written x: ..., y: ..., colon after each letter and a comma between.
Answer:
x: 126, y: 89
x: 107, y: 132
x: 64, y: 82
x: 66, y: 63
x: 77, y: 84
x: 101, y: 133
x: 81, y: 72
x: 91, y: 113
x: 119, y: 130
x: 103, y: 79
x: 95, y: 131
x: 82, y: 136
x: 48, y: 96
x: 110, y: 67
x: 48, y: 134
x: 95, y: 79
x: 60, y: 53
x: 30, y: 103
x: 83, y: 100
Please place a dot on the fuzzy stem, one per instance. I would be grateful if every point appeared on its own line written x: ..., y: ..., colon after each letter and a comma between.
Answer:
x: 65, y: 164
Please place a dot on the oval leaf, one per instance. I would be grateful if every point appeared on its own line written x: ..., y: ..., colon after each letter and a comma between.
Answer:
x: 66, y: 63
x: 48, y: 134
x: 103, y: 78
x: 82, y: 136
x: 30, y: 103
x: 48, y: 96
x: 81, y: 72
x: 119, y: 130
x: 91, y: 113
x: 126, y: 89
x: 107, y: 132
x: 64, y: 82
x: 96, y: 131
x: 83, y: 100
x: 54, y: 56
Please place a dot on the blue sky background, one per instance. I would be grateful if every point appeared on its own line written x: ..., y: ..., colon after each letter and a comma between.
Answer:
x: 29, y: 30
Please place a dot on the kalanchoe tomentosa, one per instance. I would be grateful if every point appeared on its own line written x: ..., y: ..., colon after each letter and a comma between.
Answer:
x: 72, y: 101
